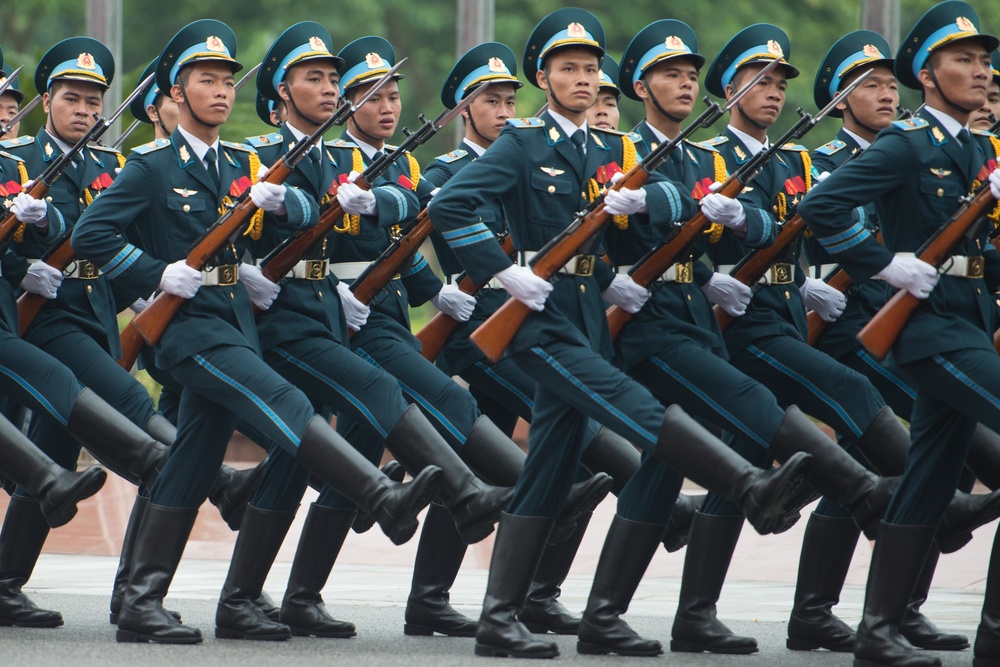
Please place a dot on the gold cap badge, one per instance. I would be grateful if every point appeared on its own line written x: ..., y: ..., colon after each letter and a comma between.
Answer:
x: 576, y: 30
x: 965, y: 25
x: 774, y: 49
x: 374, y: 60
x: 317, y: 44
x: 213, y: 43
x: 871, y: 51
x: 496, y: 65
x: 674, y: 43
x: 85, y: 61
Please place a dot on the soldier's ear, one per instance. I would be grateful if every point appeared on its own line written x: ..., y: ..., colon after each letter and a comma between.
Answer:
x: 640, y: 89
x: 542, y: 80
x: 177, y: 93
x: 46, y: 101
x: 283, y: 91
x: 730, y: 91
x: 926, y: 80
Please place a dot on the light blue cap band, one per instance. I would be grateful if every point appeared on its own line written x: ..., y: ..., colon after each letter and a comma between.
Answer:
x: 483, y: 75
x: 849, y: 63
x: 295, y: 55
x: 935, y: 39
x: 362, y: 71
x: 655, y: 55
x: 151, y: 94
x: 759, y: 51
x: 202, y: 50
x: 68, y: 67
x: 563, y: 38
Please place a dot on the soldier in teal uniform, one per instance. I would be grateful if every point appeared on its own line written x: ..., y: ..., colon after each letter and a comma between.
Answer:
x: 172, y: 192
x: 10, y: 103
x: 915, y: 172
x: 604, y: 114
x: 536, y: 170
x: 304, y: 335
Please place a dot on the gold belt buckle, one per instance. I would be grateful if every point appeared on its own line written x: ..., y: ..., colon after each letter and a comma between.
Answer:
x: 584, y: 266
x: 86, y: 270
x: 228, y: 275
x: 976, y: 267
x: 684, y: 272
x: 316, y: 269
x: 781, y: 274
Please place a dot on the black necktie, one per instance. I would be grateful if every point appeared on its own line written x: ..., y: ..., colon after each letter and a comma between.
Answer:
x: 579, y: 139
x: 213, y: 169
x: 964, y: 136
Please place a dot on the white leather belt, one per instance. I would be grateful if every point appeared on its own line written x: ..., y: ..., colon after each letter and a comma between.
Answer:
x: 682, y: 272
x: 310, y: 269
x: 779, y: 273
x: 456, y: 278
x: 348, y: 270
x: 959, y: 266
x: 221, y: 276
x: 578, y: 265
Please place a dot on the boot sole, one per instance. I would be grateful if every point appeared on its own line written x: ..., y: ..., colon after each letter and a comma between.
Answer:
x: 482, y: 528
x: 566, y: 525
x: 113, y: 616
x: 782, y: 500
x: 225, y: 633
x: 91, y: 481
x: 405, y: 526
x: 586, y: 648
x: 129, y: 637
x: 9, y: 623
x: 803, y: 645
x: 680, y: 646
x: 306, y: 632
x: 427, y: 631
x: 953, y: 541
x: 547, y: 630
x: 496, y: 652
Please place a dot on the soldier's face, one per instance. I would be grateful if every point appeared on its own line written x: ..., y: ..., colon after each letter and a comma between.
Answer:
x: 311, y: 91
x: 981, y: 117
x: 873, y: 103
x: 209, y: 90
x: 490, y: 111
x: 764, y: 102
x: 8, y: 109
x: 571, y: 78
x: 167, y: 113
x: 962, y: 70
x: 604, y: 114
x: 378, y: 116
x: 673, y: 84
x: 71, y: 106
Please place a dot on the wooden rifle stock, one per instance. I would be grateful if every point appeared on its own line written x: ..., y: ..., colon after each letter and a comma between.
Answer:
x: 881, y: 332
x: 840, y: 281
x: 655, y: 264
x: 753, y: 267
x: 132, y: 344
x: 436, y: 332
x: 30, y: 304
x: 381, y: 271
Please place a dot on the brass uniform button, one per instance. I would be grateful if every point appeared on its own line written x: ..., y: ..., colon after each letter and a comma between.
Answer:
x: 583, y: 289
x: 320, y: 294
x: 399, y: 293
x: 232, y: 295
x: 90, y: 288
x: 49, y: 198
x: 689, y: 297
x: 186, y: 208
x: 787, y: 295
x: 552, y: 189
x: 979, y: 291
x: 940, y: 192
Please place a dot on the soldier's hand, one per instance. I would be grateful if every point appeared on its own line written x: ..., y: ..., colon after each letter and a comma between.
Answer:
x: 43, y: 280
x: 995, y: 183
x: 355, y: 200
x: 454, y: 303
x: 180, y: 280
x: 355, y: 312
x: 728, y: 293
x: 268, y: 197
x: 522, y: 284
x: 260, y: 289
x: 828, y: 302
x: 625, y: 201
x: 30, y: 210
x: 725, y: 211
x: 914, y: 275
x: 626, y: 294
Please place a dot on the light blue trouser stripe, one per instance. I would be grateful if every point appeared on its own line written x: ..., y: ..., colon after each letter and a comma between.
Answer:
x: 659, y: 363
x: 31, y: 390
x: 420, y: 400
x: 597, y: 398
x: 500, y: 380
x: 256, y: 400
x: 886, y: 373
x: 328, y: 381
x: 768, y: 359
x: 966, y: 380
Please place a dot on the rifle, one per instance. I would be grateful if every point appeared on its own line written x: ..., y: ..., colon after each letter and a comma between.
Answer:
x: 20, y: 114
x: 153, y: 321
x: 41, y: 185
x: 436, y: 332
x: 62, y: 253
x: 881, y: 332
x: 281, y: 260
x: 995, y: 126
x: 659, y: 259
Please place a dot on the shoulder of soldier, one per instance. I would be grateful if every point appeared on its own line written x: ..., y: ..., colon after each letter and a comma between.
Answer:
x: 717, y: 140
x: 11, y: 156
x: 153, y: 145
x: 236, y: 146
x: 263, y: 140
x: 18, y: 142
x: 103, y: 149
x: 910, y: 124
x: 795, y: 148
x: 454, y: 155
x: 525, y: 123
x: 392, y: 149
x: 340, y: 143
x: 701, y: 145
x: 982, y: 133
x: 830, y: 148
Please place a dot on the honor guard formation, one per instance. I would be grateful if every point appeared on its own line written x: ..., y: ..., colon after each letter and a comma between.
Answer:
x: 656, y: 308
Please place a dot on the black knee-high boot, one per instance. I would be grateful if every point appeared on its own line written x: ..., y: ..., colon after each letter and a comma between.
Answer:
x: 21, y: 540
x: 987, y: 650
x: 542, y: 611
x: 920, y: 630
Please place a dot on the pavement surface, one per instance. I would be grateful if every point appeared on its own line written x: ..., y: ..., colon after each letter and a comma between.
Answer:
x: 370, y: 583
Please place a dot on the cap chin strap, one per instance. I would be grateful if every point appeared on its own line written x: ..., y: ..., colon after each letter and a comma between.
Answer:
x: 374, y: 141
x: 295, y: 107
x: 50, y: 127
x: 739, y: 108
x: 953, y: 105
x: 659, y: 107
x: 180, y: 82
x: 472, y: 124
x: 866, y: 128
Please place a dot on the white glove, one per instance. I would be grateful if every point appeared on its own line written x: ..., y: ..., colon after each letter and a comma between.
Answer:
x: 725, y: 211
x: 355, y: 312
x: 728, y: 293
x: 828, y: 302
x: 625, y: 201
x: 353, y: 199
x: 43, y: 280
x: 454, y: 303
x: 626, y: 294
x: 139, y: 305
x: 995, y: 183
x: 30, y: 210
x: 434, y: 192
x: 822, y: 176
x: 261, y: 290
x: 522, y: 284
x: 914, y: 275
x: 268, y: 196
x: 180, y: 280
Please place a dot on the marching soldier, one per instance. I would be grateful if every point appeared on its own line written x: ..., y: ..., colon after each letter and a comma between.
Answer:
x: 604, y: 114
x: 10, y: 104
x: 172, y: 192
x: 536, y: 168
x: 916, y: 171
